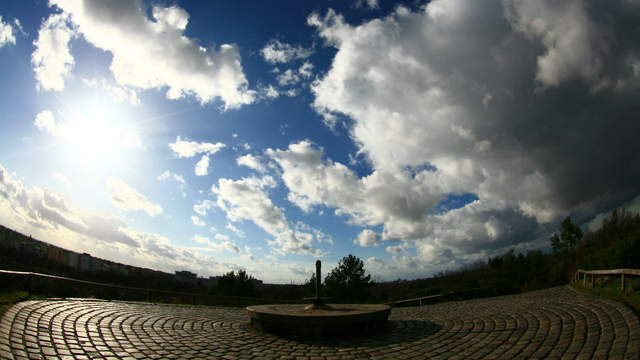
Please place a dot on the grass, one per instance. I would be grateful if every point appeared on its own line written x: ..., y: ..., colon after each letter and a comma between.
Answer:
x: 608, y: 287
x: 8, y: 297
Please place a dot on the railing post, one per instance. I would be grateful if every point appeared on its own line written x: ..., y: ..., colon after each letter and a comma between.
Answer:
x: 584, y: 279
x: 622, y: 281
x: 29, y: 285
x: 593, y: 280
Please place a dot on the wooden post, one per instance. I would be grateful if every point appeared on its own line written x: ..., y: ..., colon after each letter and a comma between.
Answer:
x: 622, y: 282
x: 593, y: 280
x: 29, y: 286
x: 584, y: 279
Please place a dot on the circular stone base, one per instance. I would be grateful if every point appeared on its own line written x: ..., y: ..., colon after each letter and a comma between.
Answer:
x: 339, y: 320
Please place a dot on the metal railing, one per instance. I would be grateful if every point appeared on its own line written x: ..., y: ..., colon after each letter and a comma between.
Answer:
x: 418, y: 300
x: 594, y: 273
x: 148, y: 294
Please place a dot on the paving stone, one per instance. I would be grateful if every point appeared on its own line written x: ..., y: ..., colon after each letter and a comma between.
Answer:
x: 552, y: 323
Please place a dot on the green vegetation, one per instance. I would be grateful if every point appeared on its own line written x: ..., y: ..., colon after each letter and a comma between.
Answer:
x: 9, y: 297
x: 609, y: 287
x: 347, y: 282
x: 232, y: 284
x: 615, y: 245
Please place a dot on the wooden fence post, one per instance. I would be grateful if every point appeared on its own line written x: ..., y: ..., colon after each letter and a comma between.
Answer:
x: 584, y: 279
x: 593, y: 280
x: 622, y: 282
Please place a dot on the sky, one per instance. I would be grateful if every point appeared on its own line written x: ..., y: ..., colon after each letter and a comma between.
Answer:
x: 420, y: 136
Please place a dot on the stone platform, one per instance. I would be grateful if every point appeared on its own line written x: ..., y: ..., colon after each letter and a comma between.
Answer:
x: 555, y: 323
x: 336, y: 320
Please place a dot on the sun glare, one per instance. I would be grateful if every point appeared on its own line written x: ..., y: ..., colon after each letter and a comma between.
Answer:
x: 96, y: 132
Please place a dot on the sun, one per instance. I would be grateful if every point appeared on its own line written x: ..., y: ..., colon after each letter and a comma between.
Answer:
x: 95, y: 131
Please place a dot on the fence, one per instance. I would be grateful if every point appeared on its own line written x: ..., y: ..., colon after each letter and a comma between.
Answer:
x: 418, y: 300
x: 593, y: 273
x: 59, y: 285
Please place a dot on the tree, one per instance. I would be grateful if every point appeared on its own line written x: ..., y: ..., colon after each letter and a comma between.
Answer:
x: 566, y: 241
x: 236, y: 285
x: 348, y: 282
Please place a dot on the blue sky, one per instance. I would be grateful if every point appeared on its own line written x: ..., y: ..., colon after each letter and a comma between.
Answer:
x: 419, y: 136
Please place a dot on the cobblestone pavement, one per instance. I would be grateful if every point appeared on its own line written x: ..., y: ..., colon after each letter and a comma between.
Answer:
x: 550, y: 324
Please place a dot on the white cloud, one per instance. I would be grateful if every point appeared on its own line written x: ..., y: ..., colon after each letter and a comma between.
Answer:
x: 50, y: 216
x: 402, y: 249
x: 279, y: 52
x: 52, y: 60
x: 253, y: 162
x: 235, y: 230
x: 202, y: 167
x: 154, y: 53
x: 270, y: 92
x: 6, y: 33
x: 223, y: 245
x: 371, y: 4
x: 400, y: 200
x: 246, y: 199
x: 367, y: 238
x: 202, y: 207
x: 197, y: 221
x: 188, y: 149
x: 120, y: 94
x: 288, y: 77
x: 499, y: 130
x: 170, y: 175
x: 126, y: 198
x: 306, y: 70
x: 45, y: 121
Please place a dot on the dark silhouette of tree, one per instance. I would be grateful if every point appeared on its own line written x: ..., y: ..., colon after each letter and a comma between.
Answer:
x: 239, y: 284
x: 348, y: 282
x: 566, y: 241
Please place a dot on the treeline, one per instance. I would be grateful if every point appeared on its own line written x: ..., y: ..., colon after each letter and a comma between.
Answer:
x: 616, y: 244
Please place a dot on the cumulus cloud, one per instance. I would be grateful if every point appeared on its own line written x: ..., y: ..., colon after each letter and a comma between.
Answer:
x: 155, y: 53
x: 513, y: 101
x: 45, y: 121
x: 371, y: 4
x: 306, y: 70
x: 7, y: 35
x: 270, y: 92
x: 278, y: 52
x: 202, y: 166
x: 188, y: 149
x: 120, y: 94
x: 126, y: 198
x: 367, y: 237
x: 401, y: 200
x: 50, y: 216
x: 52, y: 60
x: 287, y: 78
x: 197, y: 221
x: 247, y: 199
x: 223, y: 245
x: 253, y: 162
x: 202, y: 207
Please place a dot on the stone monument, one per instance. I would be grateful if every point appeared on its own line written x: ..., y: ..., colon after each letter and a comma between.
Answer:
x: 318, y: 320
x: 318, y: 302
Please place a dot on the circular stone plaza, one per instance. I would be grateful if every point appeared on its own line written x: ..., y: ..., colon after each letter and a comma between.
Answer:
x: 556, y: 323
